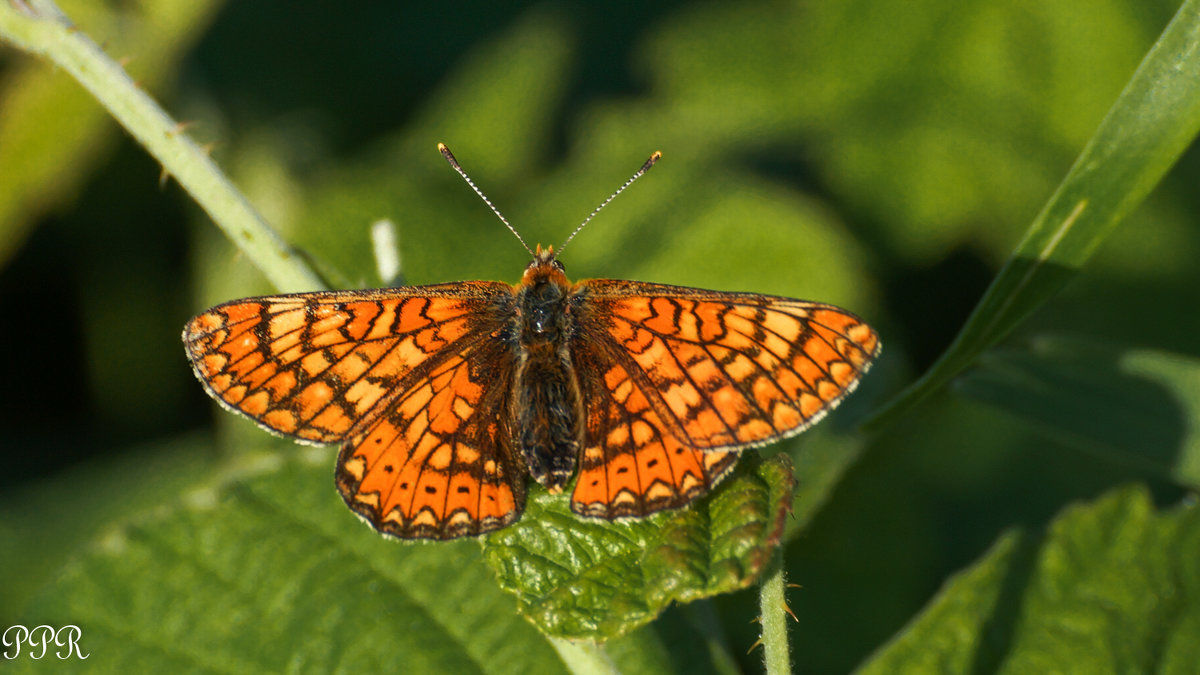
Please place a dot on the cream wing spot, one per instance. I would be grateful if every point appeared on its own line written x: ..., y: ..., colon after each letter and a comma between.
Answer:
x: 741, y: 368
x: 255, y: 404
x: 465, y: 454
x: 828, y: 390
x: 784, y: 416
x: 381, y: 326
x: 843, y: 373
x: 660, y: 491
x: 462, y: 408
x: 287, y: 324
x: 776, y: 345
x: 363, y: 395
x: 783, y: 325
x: 440, y: 458
x: 314, y: 364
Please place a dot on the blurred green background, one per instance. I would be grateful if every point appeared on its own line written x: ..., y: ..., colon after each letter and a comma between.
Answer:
x: 883, y: 155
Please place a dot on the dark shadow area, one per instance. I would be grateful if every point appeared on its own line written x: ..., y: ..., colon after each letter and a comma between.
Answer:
x: 998, y: 629
x: 931, y: 303
x: 1076, y: 390
x: 368, y: 69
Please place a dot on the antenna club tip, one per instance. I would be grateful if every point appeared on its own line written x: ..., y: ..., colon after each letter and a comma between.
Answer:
x: 650, y: 162
x: 449, y: 156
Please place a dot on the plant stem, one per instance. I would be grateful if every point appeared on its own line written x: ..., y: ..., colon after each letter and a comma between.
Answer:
x: 39, y: 27
x: 583, y: 657
x: 773, y: 610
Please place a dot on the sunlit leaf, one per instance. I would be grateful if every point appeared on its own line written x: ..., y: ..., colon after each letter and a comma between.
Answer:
x: 232, y: 575
x: 591, y: 579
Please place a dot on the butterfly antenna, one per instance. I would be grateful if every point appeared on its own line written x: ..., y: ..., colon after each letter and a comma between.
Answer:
x: 457, y: 167
x: 638, y: 174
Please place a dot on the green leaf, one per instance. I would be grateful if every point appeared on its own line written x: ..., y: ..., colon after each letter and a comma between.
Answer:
x: 951, y: 632
x: 1117, y: 585
x: 1113, y: 587
x: 1153, y: 121
x: 41, y: 28
x: 1136, y: 406
x: 42, y: 524
x: 578, y: 578
x: 264, y: 573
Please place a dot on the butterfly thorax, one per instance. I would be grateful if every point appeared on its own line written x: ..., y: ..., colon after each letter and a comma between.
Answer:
x: 546, y: 407
x: 543, y: 296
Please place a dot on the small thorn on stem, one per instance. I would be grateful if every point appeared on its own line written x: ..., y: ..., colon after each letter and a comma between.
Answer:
x: 790, y: 613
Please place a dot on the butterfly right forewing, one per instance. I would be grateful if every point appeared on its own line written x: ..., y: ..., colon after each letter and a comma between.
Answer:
x: 731, y: 370
x: 677, y: 380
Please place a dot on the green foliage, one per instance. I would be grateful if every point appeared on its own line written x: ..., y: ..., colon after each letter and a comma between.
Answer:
x: 954, y: 632
x: 594, y: 580
x: 1110, y: 588
x: 1136, y: 406
x: 243, y: 566
x: 48, y: 124
x: 856, y: 152
x: 1152, y: 123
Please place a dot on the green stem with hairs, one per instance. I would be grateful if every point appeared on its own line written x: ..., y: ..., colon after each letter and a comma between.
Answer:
x: 39, y: 27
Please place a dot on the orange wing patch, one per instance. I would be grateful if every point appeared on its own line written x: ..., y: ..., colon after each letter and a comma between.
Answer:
x: 730, y: 370
x: 630, y: 466
x: 437, y: 465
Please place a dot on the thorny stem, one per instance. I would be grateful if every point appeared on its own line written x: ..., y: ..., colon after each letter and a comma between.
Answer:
x: 39, y: 27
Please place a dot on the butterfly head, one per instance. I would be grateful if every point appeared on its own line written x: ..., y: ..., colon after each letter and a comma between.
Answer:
x: 544, y: 267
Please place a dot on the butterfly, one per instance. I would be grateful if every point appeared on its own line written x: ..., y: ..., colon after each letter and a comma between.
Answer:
x: 446, y: 398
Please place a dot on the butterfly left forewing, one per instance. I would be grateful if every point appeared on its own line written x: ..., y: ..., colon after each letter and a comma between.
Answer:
x: 311, y: 365
x: 411, y: 381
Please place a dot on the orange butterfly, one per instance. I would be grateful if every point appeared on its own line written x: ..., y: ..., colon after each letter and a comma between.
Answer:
x: 444, y: 397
